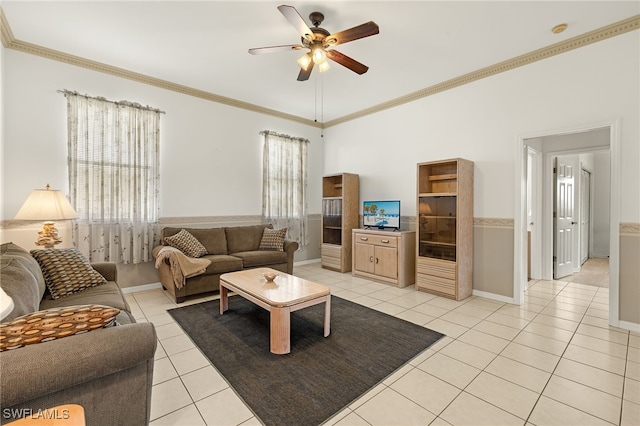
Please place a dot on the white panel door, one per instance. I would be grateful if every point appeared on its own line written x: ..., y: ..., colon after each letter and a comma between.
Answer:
x: 564, y: 218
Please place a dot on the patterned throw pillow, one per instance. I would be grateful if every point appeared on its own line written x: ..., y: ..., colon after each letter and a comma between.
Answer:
x: 186, y: 243
x: 66, y: 271
x: 273, y: 239
x: 42, y: 326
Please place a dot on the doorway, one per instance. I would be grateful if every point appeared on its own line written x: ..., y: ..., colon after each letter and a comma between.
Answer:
x: 548, y: 146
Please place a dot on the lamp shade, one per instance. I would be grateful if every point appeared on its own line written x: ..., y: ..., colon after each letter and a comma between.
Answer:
x: 46, y: 204
x: 6, y: 304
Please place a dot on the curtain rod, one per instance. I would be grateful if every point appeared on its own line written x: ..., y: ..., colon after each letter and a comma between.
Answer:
x: 100, y: 98
x: 281, y: 135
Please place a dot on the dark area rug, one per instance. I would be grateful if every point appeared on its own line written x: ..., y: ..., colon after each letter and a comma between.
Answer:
x: 321, y: 375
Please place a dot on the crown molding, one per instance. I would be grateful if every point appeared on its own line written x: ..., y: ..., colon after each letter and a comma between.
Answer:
x: 617, y: 28
x: 6, y: 36
x: 612, y: 30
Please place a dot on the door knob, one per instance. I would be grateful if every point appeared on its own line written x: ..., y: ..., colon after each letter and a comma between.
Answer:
x: 573, y: 223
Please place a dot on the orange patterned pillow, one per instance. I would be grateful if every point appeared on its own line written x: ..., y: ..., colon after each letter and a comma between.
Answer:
x: 56, y: 323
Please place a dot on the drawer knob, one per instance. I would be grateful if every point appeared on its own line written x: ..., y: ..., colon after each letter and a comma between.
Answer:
x: 385, y: 241
x: 364, y: 238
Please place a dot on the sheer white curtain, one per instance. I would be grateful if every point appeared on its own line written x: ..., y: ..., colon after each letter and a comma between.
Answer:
x: 284, y: 184
x: 113, y: 158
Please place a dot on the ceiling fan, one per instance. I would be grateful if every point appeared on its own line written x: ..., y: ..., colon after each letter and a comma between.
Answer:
x: 319, y: 42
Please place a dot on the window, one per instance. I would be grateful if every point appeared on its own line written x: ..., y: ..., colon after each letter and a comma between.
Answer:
x: 113, y: 158
x: 284, y: 184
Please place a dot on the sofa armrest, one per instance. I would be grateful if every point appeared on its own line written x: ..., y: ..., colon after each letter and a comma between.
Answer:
x: 44, y: 368
x: 290, y: 246
x: 107, y: 269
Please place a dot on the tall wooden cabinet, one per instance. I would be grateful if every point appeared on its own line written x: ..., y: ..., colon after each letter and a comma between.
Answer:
x: 340, y: 205
x: 444, y: 262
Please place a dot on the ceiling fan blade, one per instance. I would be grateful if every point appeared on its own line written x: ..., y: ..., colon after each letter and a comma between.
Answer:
x: 346, y: 61
x: 361, y: 31
x: 272, y: 49
x: 304, y: 74
x: 296, y: 20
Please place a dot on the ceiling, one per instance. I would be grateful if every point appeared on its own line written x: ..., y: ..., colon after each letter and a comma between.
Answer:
x: 203, y: 44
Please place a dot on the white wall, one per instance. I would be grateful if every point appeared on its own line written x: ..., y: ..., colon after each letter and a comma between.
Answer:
x: 482, y: 121
x: 210, y: 153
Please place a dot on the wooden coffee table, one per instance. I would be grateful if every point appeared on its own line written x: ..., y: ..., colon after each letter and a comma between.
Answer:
x: 280, y: 297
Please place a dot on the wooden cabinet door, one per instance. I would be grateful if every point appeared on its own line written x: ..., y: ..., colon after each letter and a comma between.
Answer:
x: 386, y: 262
x: 363, y: 258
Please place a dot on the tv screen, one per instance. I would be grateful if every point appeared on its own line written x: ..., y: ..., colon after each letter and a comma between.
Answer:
x: 381, y: 214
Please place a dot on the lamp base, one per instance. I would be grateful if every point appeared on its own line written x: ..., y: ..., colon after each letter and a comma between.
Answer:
x: 48, y: 237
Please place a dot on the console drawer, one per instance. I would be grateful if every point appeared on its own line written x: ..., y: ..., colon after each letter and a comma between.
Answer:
x: 377, y: 240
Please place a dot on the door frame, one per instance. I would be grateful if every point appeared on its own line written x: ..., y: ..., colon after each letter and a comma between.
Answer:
x: 520, y: 209
x: 588, y: 193
x: 535, y: 175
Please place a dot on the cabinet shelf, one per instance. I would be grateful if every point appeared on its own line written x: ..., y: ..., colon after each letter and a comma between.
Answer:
x: 436, y: 243
x: 451, y: 176
x: 332, y: 227
x: 437, y: 194
x: 437, y: 217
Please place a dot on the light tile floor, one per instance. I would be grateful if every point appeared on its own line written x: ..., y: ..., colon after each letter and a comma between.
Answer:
x: 552, y: 361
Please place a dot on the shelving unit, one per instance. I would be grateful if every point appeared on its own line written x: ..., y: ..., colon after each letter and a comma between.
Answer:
x: 340, y: 198
x: 444, y: 263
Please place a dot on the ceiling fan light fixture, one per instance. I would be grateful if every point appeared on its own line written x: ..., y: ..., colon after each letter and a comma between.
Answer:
x: 304, y: 61
x: 319, y: 55
x: 324, y: 66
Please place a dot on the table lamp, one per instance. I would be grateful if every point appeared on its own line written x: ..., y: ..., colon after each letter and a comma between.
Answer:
x: 48, y: 205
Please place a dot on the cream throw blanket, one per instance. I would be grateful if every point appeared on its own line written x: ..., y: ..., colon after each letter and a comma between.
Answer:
x: 181, y: 265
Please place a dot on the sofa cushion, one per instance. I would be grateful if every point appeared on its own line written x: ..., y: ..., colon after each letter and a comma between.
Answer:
x: 21, y: 279
x: 43, y: 326
x: 244, y: 238
x: 66, y: 271
x: 213, y: 239
x: 251, y: 259
x: 108, y: 294
x: 273, y: 239
x: 222, y: 263
x: 186, y: 243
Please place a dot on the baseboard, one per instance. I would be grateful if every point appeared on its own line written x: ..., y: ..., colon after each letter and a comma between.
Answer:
x: 632, y: 326
x: 306, y: 262
x: 139, y: 288
x: 493, y: 296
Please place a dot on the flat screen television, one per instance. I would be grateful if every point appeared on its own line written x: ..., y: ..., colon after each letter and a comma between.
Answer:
x: 381, y: 214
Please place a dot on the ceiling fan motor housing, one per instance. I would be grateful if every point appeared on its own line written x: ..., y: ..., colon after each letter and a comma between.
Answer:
x: 316, y: 18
